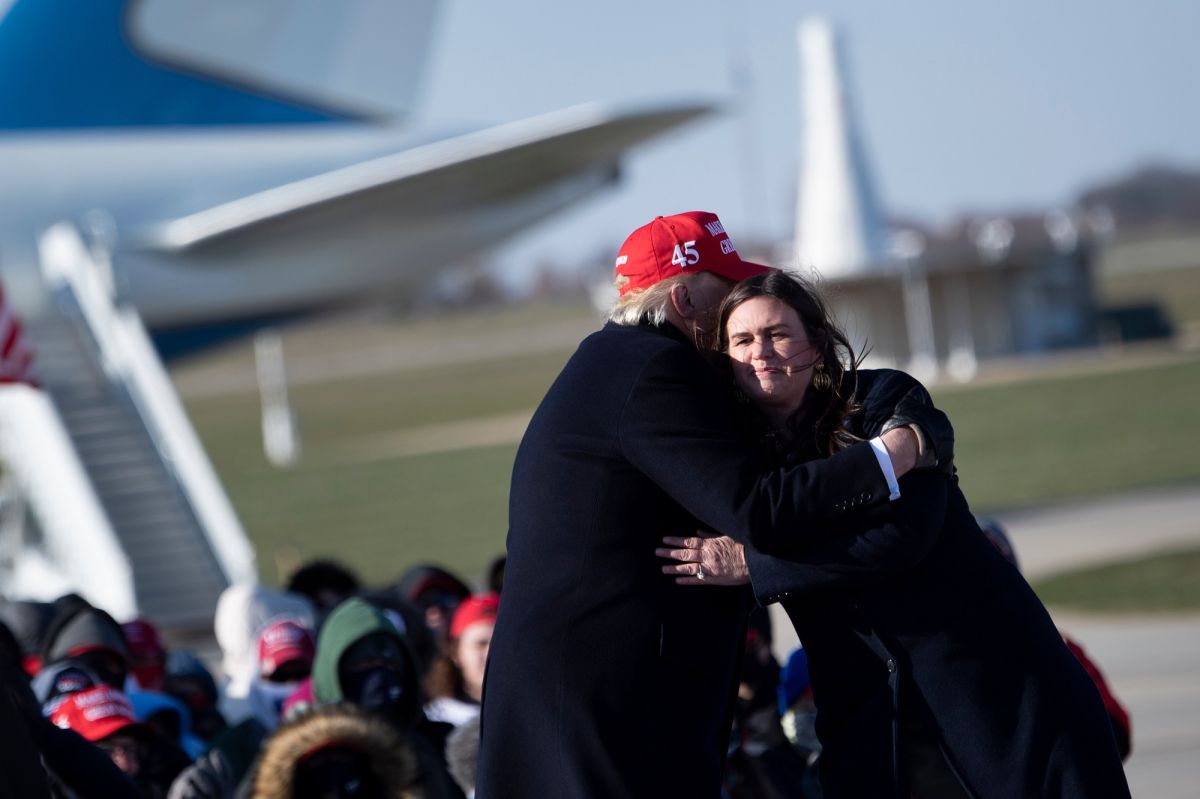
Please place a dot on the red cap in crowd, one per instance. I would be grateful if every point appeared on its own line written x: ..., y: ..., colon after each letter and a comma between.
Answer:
x: 685, y: 243
x: 147, y: 655
x: 283, y: 641
x: 95, y: 713
x: 480, y: 607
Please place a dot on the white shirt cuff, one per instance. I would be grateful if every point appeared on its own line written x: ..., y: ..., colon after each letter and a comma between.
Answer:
x: 885, y: 463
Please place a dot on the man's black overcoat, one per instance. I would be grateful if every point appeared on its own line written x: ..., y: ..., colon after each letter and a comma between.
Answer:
x: 605, y: 679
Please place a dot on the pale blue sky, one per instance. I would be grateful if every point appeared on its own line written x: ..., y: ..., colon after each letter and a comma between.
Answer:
x: 964, y: 105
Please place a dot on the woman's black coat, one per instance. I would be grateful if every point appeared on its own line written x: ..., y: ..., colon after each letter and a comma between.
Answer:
x: 935, y: 627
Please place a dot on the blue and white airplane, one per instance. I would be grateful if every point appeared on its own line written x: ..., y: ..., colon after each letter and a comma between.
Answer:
x: 250, y: 159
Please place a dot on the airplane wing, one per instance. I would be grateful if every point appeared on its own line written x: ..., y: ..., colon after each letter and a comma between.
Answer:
x: 475, y: 169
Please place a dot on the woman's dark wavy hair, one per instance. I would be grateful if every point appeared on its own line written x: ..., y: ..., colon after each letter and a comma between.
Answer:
x: 823, y: 413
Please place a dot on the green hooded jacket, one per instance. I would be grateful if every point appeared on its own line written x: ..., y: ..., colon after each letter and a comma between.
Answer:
x: 350, y: 621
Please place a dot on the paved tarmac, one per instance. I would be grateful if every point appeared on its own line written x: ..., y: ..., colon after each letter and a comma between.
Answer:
x: 1153, y: 665
x: 1055, y: 537
x: 1152, y: 662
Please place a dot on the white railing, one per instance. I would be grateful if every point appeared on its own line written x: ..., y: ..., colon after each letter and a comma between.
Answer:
x: 129, y: 358
x: 77, y: 537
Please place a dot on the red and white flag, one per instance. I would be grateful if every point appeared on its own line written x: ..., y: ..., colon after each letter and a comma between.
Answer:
x: 16, y: 355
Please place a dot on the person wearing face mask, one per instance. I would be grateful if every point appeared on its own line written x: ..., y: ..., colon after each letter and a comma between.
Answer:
x: 336, y: 752
x: 285, y: 658
x: 284, y: 652
x: 243, y: 610
x: 363, y: 660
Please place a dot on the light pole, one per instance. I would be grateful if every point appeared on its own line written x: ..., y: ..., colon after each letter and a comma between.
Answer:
x: 907, y: 247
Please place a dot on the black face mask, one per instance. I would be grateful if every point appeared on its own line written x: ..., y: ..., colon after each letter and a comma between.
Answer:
x: 108, y: 666
x: 380, y: 691
x: 336, y: 773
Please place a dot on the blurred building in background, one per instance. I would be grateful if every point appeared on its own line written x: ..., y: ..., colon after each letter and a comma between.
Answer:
x: 929, y: 302
x: 985, y: 288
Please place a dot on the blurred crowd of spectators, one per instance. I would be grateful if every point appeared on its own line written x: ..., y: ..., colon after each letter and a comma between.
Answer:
x: 324, y: 689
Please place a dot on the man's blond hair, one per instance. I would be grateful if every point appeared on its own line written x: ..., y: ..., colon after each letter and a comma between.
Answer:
x: 644, y: 305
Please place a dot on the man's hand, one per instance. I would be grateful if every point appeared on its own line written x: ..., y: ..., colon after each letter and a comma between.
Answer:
x: 903, y: 445
x: 705, y: 559
x: 915, y: 409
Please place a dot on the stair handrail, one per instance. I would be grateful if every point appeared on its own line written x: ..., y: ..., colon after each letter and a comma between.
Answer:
x: 129, y: 358
x: 77, y: 533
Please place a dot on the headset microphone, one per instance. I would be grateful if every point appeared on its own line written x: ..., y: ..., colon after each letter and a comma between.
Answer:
x: 792, y: 370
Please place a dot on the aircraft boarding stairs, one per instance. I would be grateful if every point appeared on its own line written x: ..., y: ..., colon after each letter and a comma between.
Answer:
x: 167, y: 515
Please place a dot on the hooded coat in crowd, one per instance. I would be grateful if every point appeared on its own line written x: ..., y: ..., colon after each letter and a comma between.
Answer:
x: 395, y: 696
x: 242, y: 612
x: 78, y: 630
x: 349, y: 623
x: 377, y: 760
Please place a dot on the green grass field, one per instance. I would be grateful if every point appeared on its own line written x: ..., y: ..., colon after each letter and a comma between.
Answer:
x: 1020, y: 442
x: 1030, y: 441
x: 377, y: 514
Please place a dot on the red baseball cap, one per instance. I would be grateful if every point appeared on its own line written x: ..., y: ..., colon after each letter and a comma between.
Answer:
x: 694, y: 241
x: 147, y: 655
x: 480, y: 607
x: 283, y: 641
x: 143, y: 639
x: 95, y: 713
